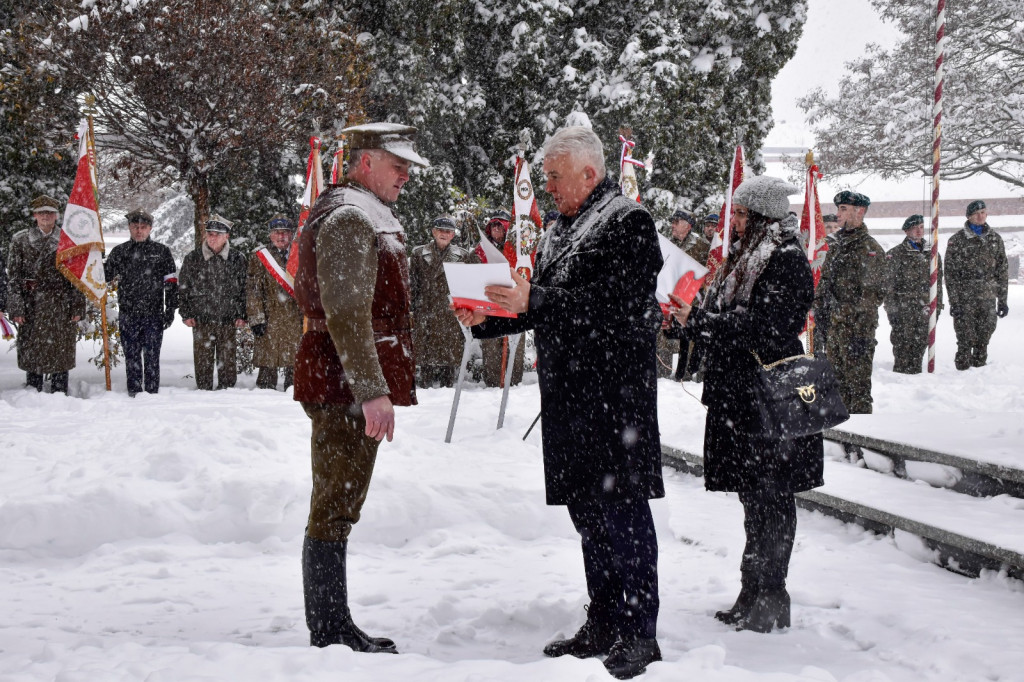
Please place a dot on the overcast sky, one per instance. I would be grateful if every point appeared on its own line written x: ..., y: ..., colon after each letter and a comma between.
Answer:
x: 835, y: 33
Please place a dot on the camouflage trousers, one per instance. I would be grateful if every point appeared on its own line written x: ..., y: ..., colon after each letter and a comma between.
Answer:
x: 852, y: 356
x: 214, y: 344
x: 974, y: 325
x: 909, y: 337
x: 343, y: 457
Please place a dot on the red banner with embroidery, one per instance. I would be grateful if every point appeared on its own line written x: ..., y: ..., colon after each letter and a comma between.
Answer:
x: 526, y: 220
x: 314, y: 185
x: 719, y: 250
x: 80, y: 249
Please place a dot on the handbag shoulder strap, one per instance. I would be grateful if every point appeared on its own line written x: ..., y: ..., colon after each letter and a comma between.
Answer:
x: 779, y: 362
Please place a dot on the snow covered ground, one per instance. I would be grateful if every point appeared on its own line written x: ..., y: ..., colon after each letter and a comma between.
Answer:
x: 158, y: 539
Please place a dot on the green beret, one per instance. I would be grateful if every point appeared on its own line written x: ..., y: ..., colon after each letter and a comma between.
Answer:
x: 913, y: 221
x: 851, y: 198
x: 974, y: 207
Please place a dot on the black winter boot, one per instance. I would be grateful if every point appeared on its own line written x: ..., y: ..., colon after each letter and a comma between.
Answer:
x: 770, y: 611
x: 592, y: 639
x: 744, y: 602
x: 34, y: 380
x: 630, y: 657
x: 325, y: 588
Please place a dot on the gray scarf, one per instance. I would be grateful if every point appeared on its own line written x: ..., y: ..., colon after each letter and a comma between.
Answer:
x: 750, y: 263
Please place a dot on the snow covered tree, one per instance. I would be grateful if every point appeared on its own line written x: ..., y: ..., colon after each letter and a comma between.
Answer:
x: 692, y: 78
x: 206, y: 91
x: 881, y: 121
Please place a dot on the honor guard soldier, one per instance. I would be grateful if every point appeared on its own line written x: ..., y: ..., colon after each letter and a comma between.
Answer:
x: 908, y: 297
x: 355, y: 361
x: 853, y: 284
x: 977, y: 278
x: 437, y: 335
x: 44, y: 304
x: 273, y: 314
x: 211, y: 289
x: 147, y: 296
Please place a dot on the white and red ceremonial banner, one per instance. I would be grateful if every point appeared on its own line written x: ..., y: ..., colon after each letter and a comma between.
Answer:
x: 812, y: 233
x: 314, y: 185
x: 80, y: 249
x: 526, y: 218
x: 280, y: 274
x: 628, y: 183
x: 681, y: 275
x: 719, y: 248
x: 338, y: 163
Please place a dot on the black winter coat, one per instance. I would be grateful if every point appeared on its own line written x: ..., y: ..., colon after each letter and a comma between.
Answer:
x: 595, y: 320
x: 213, y: 290
x: 147, y: 278
x: 737, y: 457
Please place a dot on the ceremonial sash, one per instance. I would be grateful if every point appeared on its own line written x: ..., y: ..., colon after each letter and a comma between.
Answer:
x: 282, y: 276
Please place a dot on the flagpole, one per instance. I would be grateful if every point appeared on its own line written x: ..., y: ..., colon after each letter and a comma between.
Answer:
x: 933, y: 289
x: 90, y: 102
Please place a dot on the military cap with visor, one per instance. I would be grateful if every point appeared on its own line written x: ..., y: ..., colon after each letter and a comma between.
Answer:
x: 445, y: 222
x: 43, y: 204
x: 395, y: 138
x: 281, y: 222
x: 218, y: 224
x: 682, y: 215
x: 138, y: 215
x: 711, y: 218
x: 499, y: 215
x: 851, y: 198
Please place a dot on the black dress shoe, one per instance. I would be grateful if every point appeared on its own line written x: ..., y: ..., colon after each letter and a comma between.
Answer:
x: 591, y: 640
x: 739, y: 610
x: 355, y: 639
x: 630, y: 657
x: 770, y: 611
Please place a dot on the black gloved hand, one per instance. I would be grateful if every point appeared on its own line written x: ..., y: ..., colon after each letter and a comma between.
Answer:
x: 953, y: 311
x: 258, y: 330
x: 168, y: 318
x: 1003, y: 310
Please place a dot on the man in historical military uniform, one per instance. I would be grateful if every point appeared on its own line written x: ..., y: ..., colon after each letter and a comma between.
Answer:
x: 352, y: 285
x: 273, y: 314
x: 44, y: 304
x: 977, y: 278
x: 853, y: 282
x: 437, y: 335
x: 211, y: 290
x: 495, y: 351
x: 908, y: 296
x: 147, y: 296
x: 710, y: 227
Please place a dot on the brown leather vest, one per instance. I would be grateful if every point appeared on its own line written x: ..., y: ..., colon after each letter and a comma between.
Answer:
x: 319, y: 375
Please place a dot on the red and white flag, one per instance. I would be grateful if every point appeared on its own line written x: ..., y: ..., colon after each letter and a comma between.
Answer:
x: 812, y: 226
x: 80, y: 249
x: 314, y: 185
x: 719, y: 248
x: 628, y: 182
x: 681, y: 275
x: 338, y: 164
x: 526, y: 218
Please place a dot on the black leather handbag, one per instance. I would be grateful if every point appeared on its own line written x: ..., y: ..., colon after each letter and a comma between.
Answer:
x: 798, y: 396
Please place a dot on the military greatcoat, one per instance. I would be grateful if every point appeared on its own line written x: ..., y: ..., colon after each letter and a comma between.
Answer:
x: 268, y: 303
x: 437, y: 335
x: 41, y: 294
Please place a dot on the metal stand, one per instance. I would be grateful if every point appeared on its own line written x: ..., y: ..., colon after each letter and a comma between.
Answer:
x: 513, y: 346
x: 466, y: 350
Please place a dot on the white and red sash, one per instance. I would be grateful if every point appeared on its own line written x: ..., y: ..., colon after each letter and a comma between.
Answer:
x: 283, y: 277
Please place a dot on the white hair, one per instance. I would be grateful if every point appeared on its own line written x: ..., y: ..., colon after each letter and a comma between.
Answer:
x: 579, y: 142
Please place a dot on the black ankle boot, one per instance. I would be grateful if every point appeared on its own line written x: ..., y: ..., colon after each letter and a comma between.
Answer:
x: 770, y: 611
x: 744, y: 602
x: 593, y: 639
x: 630, y: 657
x: 325, y: 588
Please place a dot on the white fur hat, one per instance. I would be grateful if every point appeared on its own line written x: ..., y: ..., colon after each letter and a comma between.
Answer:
x: 766, y: 195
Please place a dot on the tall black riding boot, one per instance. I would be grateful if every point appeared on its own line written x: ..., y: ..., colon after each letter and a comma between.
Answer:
x: 59, y: 382
x: 34, y: 380
x: 325, y: 587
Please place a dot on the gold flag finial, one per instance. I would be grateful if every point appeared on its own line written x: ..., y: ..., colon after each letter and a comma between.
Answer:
x: 809, y: 159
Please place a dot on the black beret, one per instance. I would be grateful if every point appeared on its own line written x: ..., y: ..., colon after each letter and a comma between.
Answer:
x: 975, y: 206
x: 913, y: 221
x: 851, y: 198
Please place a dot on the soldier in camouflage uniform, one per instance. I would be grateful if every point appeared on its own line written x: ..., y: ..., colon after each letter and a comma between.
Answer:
x: 909, y: 292
x: 977, y: 278
x: 437, y: 335
x: 853, y: 283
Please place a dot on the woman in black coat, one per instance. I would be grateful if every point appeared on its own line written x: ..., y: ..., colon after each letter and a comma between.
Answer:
x: 757, y: 304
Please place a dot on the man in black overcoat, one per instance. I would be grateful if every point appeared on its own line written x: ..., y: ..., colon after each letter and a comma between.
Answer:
x: 595, y: 318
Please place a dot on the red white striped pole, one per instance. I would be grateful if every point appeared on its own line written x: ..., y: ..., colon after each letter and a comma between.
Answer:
x: 933, y: 311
